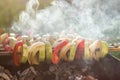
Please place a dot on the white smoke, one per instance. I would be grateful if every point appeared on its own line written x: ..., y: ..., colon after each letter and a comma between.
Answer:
x: 88, y: 18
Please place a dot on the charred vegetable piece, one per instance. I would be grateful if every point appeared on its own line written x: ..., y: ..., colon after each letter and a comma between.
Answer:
x: 72, y: 52
x: 12, y: 42
x: 80, y: 50
x: 104, y: 51
x: 64, y: 51
x: 87, y: 53
x: 36, y: 48
x: 16, y: 56
x: 25, y: 54
x: 6, y: 41
x: 48, y: 51
x: 95, y: 49
x: 3, y: 37
x: 56, y: 49
x: 8, y: 48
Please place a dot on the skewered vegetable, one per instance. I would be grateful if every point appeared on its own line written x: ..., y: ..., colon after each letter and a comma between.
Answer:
x: 104, y: 49
x: 16, y: 54
x: 25, y: 54
x: 80, y: 49
x: 3, y: 37
x: 59, y: 45
x: 48, y: 51
x: 52, y: 48
x: 33, y: 58
x: 95, y: 49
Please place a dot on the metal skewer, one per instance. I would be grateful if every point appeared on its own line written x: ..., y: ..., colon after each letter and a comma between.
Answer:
x: 110, y: 49
x: 3, y: 52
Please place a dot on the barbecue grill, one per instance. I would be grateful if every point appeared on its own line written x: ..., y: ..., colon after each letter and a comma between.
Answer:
x: 6, y: 59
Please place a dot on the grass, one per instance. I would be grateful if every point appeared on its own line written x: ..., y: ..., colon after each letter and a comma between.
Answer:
x: 116, y: 54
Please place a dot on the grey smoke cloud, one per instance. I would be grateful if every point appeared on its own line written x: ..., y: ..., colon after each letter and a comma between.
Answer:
x: 89, y: 18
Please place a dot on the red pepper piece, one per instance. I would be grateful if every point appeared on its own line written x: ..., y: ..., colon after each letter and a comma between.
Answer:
x: 6, y: 44
x: 55, y: 58
x: 15, y: 55
x: 80, y: 50
x: 6, y: 41
x: 8, y: 48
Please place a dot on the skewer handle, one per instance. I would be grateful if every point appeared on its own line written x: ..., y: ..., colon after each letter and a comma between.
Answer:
x: 113, y: 49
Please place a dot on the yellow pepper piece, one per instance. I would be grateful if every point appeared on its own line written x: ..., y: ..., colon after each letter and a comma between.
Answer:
x: 72, y: 52
x: 104, y: 49
x: 38, y: 47
x: 25, y: 54
x: 48, y: 51
x: 86, y: 50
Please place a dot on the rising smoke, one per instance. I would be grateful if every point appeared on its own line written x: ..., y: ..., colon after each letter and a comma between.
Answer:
x: 89, y: 18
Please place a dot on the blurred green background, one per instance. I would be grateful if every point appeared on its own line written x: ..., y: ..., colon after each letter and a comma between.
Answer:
x: 10, y: 10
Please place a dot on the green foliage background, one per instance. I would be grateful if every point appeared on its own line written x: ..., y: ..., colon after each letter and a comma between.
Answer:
x: 10, y: 10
